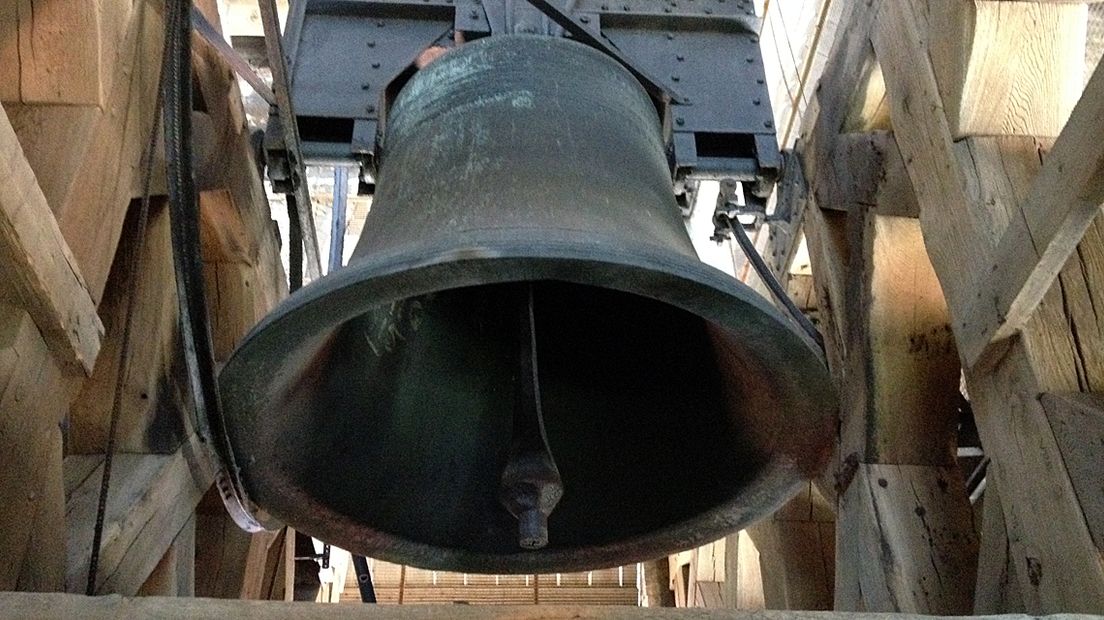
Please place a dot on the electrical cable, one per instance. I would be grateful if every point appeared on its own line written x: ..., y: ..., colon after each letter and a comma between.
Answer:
x: 295, y: 245
x: 772, y: 283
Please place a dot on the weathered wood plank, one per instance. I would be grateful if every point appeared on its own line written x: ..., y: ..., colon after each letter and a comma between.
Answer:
x: 993, y: 79
x: 924, y: 137
x: 913, y: 555
x: 1056, y: 561
x: 50, y: 52
x: 152, y: 498
x: 174, y: 575
x: 150, y: 411
x: 1065, y: 198
x: 1077, y: 420
x: 796, y: 547
x: 87, y: 158
x: 65, y: 606
x: 34, y: 393
x: 998, y: 588
x: 39, y: 271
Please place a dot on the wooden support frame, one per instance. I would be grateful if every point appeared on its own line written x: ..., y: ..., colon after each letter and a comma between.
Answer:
x: 40, y: 272
x: 971, y: 191
x: 1066, y: 196
x: 153, y: 497
x: 51, y: 52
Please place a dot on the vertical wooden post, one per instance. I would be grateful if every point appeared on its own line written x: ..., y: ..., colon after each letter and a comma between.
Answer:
x: 904, y: 530
x: 956, y: 74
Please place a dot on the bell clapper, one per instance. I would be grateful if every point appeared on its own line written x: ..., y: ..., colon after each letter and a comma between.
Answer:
x: 531, y: 485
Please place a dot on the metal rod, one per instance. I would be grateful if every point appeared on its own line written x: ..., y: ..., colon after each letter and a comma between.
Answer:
x: 531, y: 485
x: 231, y: 56
x: 281, y: 87
x: 364, y: 579
x: 568, y: 22
x: 338, y: 219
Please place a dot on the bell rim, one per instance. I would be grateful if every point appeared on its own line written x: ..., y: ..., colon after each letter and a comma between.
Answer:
x: 504, y: 256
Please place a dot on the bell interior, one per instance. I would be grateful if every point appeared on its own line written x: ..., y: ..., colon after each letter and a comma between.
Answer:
x: 410, y: 406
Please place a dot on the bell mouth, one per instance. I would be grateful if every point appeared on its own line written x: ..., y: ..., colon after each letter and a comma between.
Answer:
x: 372, y: 408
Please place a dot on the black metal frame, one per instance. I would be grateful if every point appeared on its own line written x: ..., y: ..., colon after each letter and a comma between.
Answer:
x: 699, y: 59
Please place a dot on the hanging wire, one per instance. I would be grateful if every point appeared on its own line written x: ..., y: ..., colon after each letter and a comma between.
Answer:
x: 133, y: 270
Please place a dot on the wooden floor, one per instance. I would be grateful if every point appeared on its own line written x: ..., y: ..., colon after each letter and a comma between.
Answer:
x: 66, y: 606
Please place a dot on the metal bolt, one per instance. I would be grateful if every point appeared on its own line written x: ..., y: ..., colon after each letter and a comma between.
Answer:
x: 670, y: 36
x: 370, y: 109
x: 371, y: 44
x: 759, y: 81
x: 584, y: 19
x: 674, y: 78
x: 379, y: 24
x: 754, y: 39
x: 365, y: 86
x: 708, y: 11
x: 666, y: 9
x: 757, y: 101
x: 750, y: 59
x: 768, y: 124
x: 605, y: 7
x: 375, y: 65
x: 680, y: 57
x: 473, y: 14
x: 680, y: 121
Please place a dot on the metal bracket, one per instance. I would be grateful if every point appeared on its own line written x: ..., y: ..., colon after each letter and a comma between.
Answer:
x: 297, y: 169
x: 576, y: 26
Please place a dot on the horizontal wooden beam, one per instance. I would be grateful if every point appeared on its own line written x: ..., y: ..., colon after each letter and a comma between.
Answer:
x: 65, y: 606
x: 868, y: 172
x: 1065, y: 199
x: 152, y: 497
x: 38, y: 269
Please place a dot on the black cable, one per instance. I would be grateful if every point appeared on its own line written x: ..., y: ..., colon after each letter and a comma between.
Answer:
x: 195, y: 332
x: 133, y: 265
x: 772, y: 283
x: 295, y: 245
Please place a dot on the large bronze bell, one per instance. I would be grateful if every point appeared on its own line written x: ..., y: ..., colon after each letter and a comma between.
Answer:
x: 525, y: 368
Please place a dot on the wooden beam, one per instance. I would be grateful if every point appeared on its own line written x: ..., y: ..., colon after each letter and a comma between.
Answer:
x: 65, y: 606
x: 992, y: 79
x: 908, y: 545
x: 924, y: 137
x: 968, y: 192
x: 1065, y: 198
x: 39, y: 271
x: 1056, y: 561
x: 151, y: 412
x: 175, y: 574
x: 153, y: 497
x: 868, y: 172
x: 1077, y: 420
x: 796, y: 549
x: 892, y: 354
x: 87, y: 158
x: 34, y: 395
x: 50, y: 52
x: 998, y: 588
